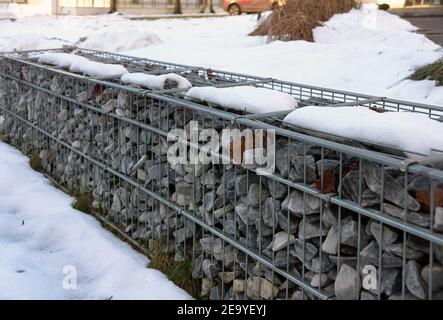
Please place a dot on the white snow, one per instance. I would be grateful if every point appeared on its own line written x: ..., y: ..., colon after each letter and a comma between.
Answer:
x: 79, y: 64
x: 367, y: 51
x: 154, y: 82
x: 98, y: 70
x: 119, y: 40
x: 244, y: 98
x: 61, y: 60
x: 407, y: 131
x: 41, y: 234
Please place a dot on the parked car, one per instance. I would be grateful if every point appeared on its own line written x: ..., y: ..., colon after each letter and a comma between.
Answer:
x: 236, y: 7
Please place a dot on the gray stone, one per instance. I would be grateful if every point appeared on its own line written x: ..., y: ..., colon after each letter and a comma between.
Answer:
x: 220, y: 212
x: 346, y: 283
x: 330, y: 244
x: 270, y: 209
x: 182, y: 234
x: 282, y: 258
x: 327, y: 164
x: 350, y: 186
x: 330, y: 215
x: 370, y: 255
x: 298, y: 205
x: 318, y: 265
x: 197, y: 271
x: 349, y: 233
x: 414, y: 281
x: 109, y: 106
x: 290, y: 225
x: 386, y: 234
x: 281, y: 240
x: 299, y: 164
x: 436, y: 275
x: 365, y: 295
x: 76, y: 145
x: 278, y: 190
x: 215, y: 293
x: 390, y: 282
x: 307, y: 230
x: 397, y: 250
x: 116, y: 204
x: 256, y: 194
x: 309, y: 250
x: 438, y: 252
x: 242, y: 182
x: 207, y: 244
x: 261, y: 288
x: 438, y: 219
x: 238, y: 285
x: 210, y: 268
x: 417, y: 218
x: 227, y: 276
x: 392, y: 190
x: 319, y: 280
x: 370, y: 199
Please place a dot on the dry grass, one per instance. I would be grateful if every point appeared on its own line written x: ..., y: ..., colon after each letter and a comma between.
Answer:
x: 161, y: 261
x: 179, y: 272
x: 83, y: 202
x: 181, y: 275
x: 297, y: 18
x: 433, y: 71
x: 35, y: 162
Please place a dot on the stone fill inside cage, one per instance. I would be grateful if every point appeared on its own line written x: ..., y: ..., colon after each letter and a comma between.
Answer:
x: 337, y: 219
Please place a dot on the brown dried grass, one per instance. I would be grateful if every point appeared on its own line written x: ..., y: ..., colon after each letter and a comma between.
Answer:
x: 296, y: 19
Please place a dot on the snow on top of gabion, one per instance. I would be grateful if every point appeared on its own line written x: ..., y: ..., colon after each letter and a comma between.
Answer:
x: 79, y: 64
x: 155, y: 82
x: 61, y: 60
x: 244, y: 98
x: 98, y: 70
x: 411, y: 132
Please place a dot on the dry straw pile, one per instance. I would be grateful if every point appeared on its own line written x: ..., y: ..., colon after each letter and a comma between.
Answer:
x: 296, y: 19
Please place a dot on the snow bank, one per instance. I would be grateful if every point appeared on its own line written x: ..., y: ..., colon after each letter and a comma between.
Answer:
x: 411, y: 132
x: 119, y: 40
x: 61, y: 60
x: 41, y: 235
x: 244, y: 98
x: 98, y: 70
x: 155, y: 82
x: 29, y: 41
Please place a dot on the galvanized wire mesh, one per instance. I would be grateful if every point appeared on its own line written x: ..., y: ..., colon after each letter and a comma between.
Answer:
x: 310, y: 230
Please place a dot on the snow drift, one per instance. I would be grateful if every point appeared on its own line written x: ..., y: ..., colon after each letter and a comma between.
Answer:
x: 38, y: 241
x: 119, y: 40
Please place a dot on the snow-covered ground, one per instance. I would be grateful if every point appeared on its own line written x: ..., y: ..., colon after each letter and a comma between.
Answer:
x: 46, y: 247
x: 367, y: 51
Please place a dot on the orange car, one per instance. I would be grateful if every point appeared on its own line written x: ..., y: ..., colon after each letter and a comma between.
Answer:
x: 236, y: 7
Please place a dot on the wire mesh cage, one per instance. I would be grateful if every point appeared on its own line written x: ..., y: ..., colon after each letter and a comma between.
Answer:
x: 337, y: 219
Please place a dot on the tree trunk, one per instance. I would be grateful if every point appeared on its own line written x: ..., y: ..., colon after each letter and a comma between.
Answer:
x: 113, y: 6
x: 178, y: 7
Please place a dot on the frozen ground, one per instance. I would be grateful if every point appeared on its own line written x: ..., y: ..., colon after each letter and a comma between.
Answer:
x: 40, y: 244
x: 367, y: 51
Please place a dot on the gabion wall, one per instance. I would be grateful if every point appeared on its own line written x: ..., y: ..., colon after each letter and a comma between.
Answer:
x: 334, y: 221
